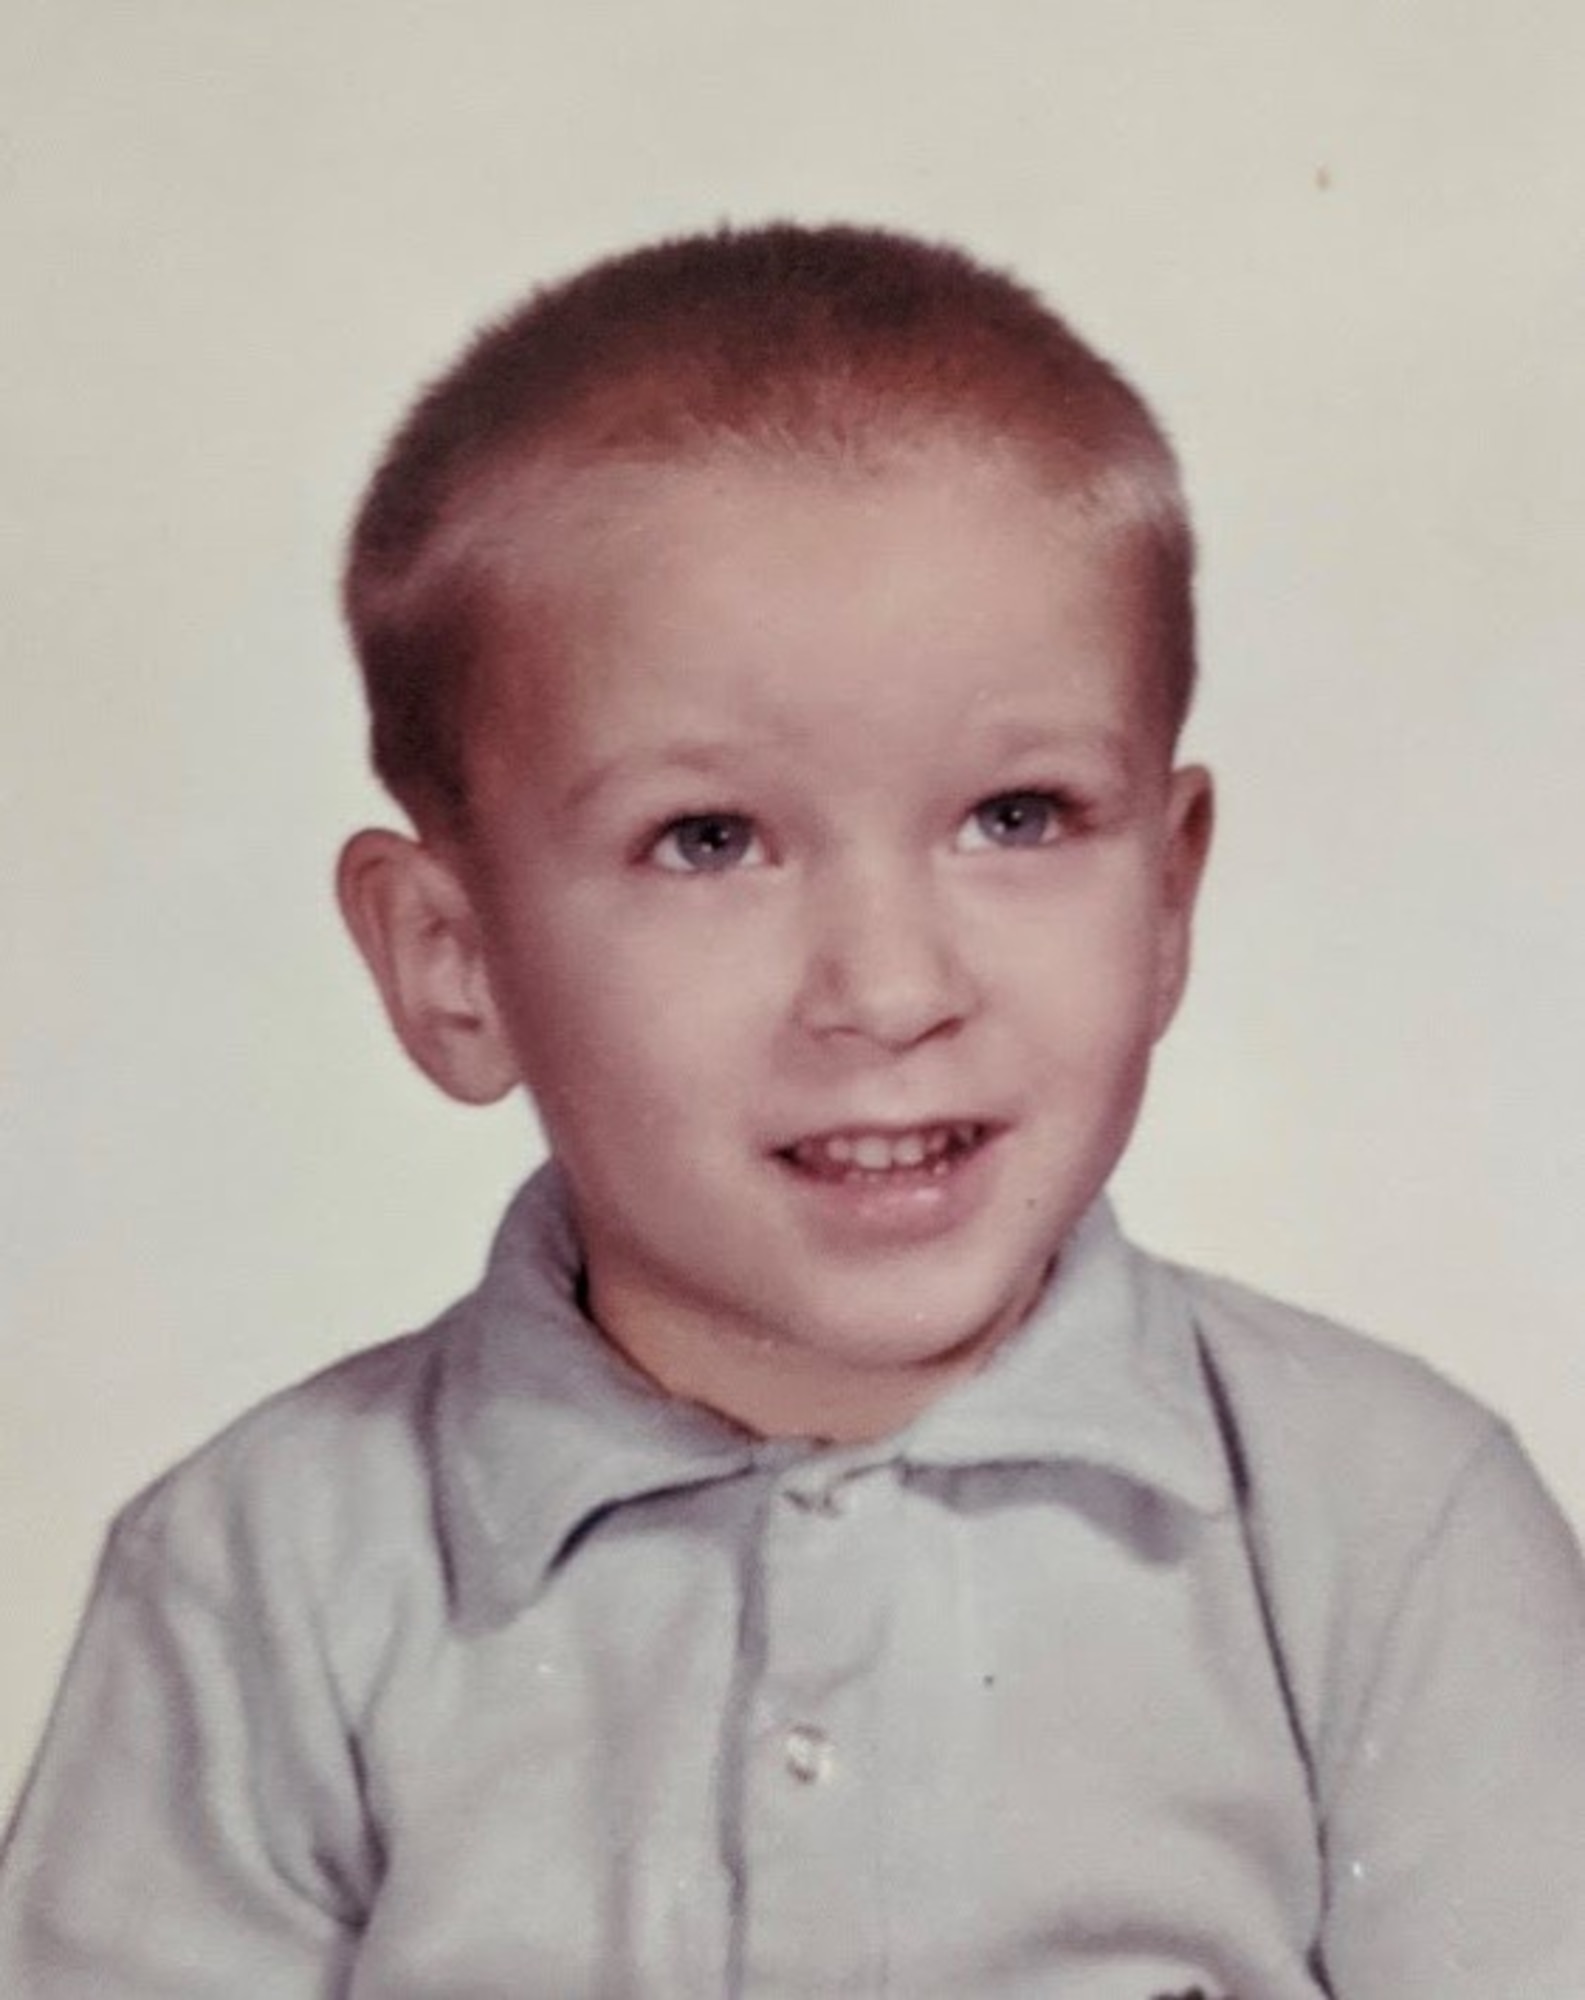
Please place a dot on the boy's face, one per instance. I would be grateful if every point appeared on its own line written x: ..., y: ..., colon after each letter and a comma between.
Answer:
x: 833, y: 888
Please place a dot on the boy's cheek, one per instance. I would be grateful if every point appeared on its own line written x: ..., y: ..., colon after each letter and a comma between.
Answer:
x: 625, y: 1049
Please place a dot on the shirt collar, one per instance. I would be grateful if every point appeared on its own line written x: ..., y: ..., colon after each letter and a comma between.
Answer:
x: 1106, y: 1372
x: 539, y: 1425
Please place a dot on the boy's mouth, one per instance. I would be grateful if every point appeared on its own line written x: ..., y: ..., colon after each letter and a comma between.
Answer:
x: 871, y: 1154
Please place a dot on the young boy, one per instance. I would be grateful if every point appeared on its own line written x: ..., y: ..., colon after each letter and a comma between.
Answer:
x: 822, y: 1557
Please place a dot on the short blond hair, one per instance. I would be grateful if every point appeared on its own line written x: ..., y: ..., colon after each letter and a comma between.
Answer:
x: 821, y: 342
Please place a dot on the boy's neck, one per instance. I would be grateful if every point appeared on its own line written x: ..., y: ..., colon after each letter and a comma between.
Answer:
x: 770, y: 1387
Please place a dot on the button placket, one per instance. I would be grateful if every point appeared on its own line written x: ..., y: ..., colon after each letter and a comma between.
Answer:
x: 809, y: 1810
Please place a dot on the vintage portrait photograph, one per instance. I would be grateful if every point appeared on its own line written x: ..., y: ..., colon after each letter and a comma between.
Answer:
x: 792, y: 1075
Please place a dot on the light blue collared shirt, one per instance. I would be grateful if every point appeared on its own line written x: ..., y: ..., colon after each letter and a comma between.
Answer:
x: 1191, y: 1645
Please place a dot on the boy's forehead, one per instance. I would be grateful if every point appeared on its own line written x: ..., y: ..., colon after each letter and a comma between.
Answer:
x: 734, y: 598
x: 583, y: 546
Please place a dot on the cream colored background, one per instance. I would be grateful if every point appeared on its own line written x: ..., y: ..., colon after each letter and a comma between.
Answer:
x: 1342, y: 244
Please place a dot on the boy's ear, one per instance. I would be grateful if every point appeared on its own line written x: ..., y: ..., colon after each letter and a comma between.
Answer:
x: 412, y: 920
x: 1191, y: 813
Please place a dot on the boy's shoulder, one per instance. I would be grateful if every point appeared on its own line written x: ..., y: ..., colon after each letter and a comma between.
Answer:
x: 329, y: 1477
x: 1317, y: 1409
x: 435, y: 1466
x: 344, y: 1460
x: 1364, y: 1477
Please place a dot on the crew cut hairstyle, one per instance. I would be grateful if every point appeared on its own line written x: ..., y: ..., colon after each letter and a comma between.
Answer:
x: 834, y: 344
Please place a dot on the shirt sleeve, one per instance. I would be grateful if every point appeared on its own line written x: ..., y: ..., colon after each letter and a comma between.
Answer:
x: 186, y: 1831
x: 1455, y: 1821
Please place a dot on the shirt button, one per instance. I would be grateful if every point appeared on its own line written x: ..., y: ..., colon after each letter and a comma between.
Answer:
x: 807, y: 1754
x: 828, y: 1500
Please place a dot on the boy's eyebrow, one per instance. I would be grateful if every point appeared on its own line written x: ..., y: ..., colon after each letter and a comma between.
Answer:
x: 718, y: 756
x: 708, y: 757
x: 1012, y: 736
x: 1105, y: 755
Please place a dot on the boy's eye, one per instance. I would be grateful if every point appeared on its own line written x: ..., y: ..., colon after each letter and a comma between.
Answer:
x: 1013, y: 819
x: 707, y: 843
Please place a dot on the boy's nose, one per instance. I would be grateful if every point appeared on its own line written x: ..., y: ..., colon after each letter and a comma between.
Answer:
x: 883, y: 964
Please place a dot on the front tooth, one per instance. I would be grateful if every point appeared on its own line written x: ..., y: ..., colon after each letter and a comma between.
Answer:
x: 871, y: 1152
x: 909, y: 1151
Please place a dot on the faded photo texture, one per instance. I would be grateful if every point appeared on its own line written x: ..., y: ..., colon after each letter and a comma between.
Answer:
x: 1337, y: 246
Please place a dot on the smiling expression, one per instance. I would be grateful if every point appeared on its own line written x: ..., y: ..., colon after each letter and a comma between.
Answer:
x: 834, y: 887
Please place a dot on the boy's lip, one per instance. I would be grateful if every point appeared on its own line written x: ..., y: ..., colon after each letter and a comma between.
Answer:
x: 927, y: 1179
x: 871, y: 1151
